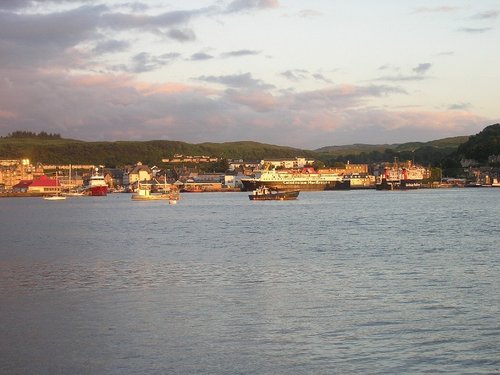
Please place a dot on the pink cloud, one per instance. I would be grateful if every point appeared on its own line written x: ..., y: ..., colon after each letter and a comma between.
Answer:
x: 260, y: 101
x: 7, y: 114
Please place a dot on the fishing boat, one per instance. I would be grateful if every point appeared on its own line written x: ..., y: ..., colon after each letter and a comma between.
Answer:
x: 97, y: 186
x: 264, y: 193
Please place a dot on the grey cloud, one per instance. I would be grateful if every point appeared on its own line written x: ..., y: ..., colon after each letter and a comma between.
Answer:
x: 238, y: 80
x: 125, y: 21
x: 342, y: 96
x: 29, y: 40
x: 201, y: 56
x: 422, y: 68
x: 15, y: 4
x: 64, y: 29
x: 145, y: 62
x: 240, y: 53
x: 401, y: 78
x: 489, y: 14
x: 477, y: 30
x: 294, y: 75
x: 419, y: 75
x: 459, y: 106
x: 185, y: 35
x: 110, y: 46
x: 297, y: 75
x: 321, y: 77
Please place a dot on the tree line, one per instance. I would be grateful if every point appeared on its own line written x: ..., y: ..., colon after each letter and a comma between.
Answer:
x: 28, y: 134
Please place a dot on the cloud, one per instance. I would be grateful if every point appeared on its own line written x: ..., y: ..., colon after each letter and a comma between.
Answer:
x: 240, y: 53
x: 445, y: 53
x: 489, y: 14
x: 459, y: 106
x: 145, y: 62
x: 15, y: 4
x: 321, y: 77
x: 111, y: 46
x: 402, y: 78
x: 260, y: 101
x: 297, y: 75
x: 248, y: 5
x: 475, y: 30
x: 237, y: 80
x: 439, y: 9
x: 340, y: 97
x: 201, y: 56
x: 310, y: 13
x: 422, y: 68
x: 184, y: 35
x: 117, y: 107
x: 127, y: 21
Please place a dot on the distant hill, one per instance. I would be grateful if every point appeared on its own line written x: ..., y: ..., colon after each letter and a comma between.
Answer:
x: 451, y: 143
x: 441, y: 152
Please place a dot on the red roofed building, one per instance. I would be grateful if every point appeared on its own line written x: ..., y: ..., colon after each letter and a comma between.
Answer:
x: 45, y: 185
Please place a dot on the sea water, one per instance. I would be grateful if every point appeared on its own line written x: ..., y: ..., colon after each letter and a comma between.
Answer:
x: 354, y: 282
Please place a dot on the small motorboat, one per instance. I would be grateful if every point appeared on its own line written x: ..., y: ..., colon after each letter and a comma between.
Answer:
x: 55, y: 198
x: 263, y: 193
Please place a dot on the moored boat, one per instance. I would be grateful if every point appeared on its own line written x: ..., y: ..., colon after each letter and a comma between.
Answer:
x: 97, y: 186
x: 396, y: 178
x: 144, y: 193
x: 266, y: 194
x: 306, y: 179
x: 55, y: 197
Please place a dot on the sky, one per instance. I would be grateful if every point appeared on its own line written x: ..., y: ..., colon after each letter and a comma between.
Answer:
x: 297, y: 73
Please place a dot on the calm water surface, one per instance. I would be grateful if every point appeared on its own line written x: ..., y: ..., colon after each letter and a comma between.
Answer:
x: 333, y: 283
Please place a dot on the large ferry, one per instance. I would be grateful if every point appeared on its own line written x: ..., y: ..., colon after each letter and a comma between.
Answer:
x: 97, y: 186
x: 396, y: 178
x: 305, y: 179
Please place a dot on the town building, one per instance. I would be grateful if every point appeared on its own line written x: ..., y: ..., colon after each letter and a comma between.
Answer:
x: 179, y: 158
x: 298, y: 162
x: 13, y: 171
x: 139, y: 172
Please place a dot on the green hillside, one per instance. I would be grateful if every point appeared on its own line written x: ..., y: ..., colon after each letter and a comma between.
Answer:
x: 482, y: 145
x: 65, y: 151
x: 50, y: 148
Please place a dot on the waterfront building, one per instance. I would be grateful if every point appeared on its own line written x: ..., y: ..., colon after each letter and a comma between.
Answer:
x: 44, y: 185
